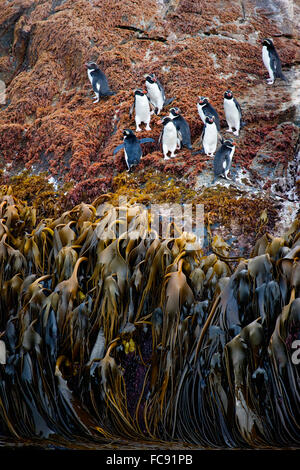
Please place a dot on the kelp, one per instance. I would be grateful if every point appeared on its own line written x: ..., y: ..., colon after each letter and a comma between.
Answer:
x: 109, y: 330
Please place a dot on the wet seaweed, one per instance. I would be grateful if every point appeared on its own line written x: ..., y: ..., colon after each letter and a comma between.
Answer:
x: 140, y: 337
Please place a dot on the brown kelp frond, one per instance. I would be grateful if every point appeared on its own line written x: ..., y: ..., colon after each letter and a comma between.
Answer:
x: 110, y: 329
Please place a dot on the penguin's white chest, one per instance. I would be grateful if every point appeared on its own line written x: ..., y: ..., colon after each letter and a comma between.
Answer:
x: 91, y: 79
x: 231, y: 113
x: 201, y: 113
x: 170, y: 135
x: 210, y: 138
x: 155, y: 95
x: 90, y: 76
x: 266, y: 57
x: 266, y: 60
x: 142, y: 108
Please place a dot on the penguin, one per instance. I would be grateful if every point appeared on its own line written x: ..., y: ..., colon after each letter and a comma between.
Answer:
x: 206, y: 109
x: 141, y: 105
x: 132, y: 148
x: 233, y: 113
x: 271, y: 61
x: 99, y: 81
x: 183, y: 129
x: 156, y: 93
x: 223, y: 159
x: 168, y: 136
x: 210, y: 136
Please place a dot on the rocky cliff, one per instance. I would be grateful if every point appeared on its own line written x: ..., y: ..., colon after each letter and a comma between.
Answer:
x: 105, y: 337
x: 50, y: 127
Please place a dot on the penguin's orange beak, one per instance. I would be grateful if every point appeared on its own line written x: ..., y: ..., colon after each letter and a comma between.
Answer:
x: 86, y: 66
x: 233, y: 143
x: 159, y: 122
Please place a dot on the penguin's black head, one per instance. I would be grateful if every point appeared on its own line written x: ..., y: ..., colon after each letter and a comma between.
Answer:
x: 140, y: 92
x: 91, y: 66
x: 151, y: 78
x: 128, y: 133
x: 229, y: 143
x: 165, y: 120
x: 175, y: 112
x: 202, y: 100
x: 267, y: 42
x: 228, y: 95
x: 210, y: 119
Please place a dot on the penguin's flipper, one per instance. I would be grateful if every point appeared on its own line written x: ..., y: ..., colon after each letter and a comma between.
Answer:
x: 169, y: 101
x: 118, y: 148
x: 275, y: 63
x: 176, y: 123
x: 227, y: 162
x: 238, y: 107
x: 161, y: 88
x: 146, y: 139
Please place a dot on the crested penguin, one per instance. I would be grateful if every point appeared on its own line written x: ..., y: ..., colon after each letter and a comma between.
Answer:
x: 271, y: 61
x: 156, y: 93
x: 132, y: 148
x: 168, y: 137
x: 206, y: 109
x: 210, y: 136
x: 98, y: 81
x: 183, y: 128
x: 233, y: 113
x: 142, y: 109
x: 223, y: 159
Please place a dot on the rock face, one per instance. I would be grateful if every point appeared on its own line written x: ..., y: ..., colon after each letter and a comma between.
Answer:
x: 49, y: 123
